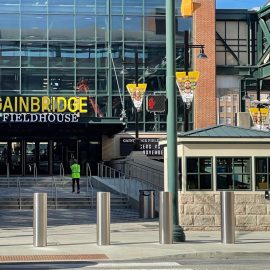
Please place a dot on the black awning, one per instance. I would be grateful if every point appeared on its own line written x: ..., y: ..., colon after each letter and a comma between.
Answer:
x: 85, y: 128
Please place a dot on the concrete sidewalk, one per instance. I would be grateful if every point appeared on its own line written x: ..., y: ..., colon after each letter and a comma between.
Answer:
x: 72, y: 236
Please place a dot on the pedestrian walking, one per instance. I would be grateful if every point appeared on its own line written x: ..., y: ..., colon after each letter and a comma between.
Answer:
x: 75, y: 175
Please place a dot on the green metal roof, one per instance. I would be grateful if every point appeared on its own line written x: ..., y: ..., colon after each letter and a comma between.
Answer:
x: 223, y: 131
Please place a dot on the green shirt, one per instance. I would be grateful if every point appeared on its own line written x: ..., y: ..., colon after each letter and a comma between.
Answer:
x: 75, y: 170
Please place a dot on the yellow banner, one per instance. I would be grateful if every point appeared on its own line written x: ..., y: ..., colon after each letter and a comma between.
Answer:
x: 137, y: 93
x: 186, y: 84
x: 260, y: 118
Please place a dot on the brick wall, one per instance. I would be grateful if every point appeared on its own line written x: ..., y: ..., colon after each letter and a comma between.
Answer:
x: 205, y: 96
x: 201, y: 212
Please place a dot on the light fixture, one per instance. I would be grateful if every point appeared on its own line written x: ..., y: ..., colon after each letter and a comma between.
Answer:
x: 148, y: 71
x: 202, y: 55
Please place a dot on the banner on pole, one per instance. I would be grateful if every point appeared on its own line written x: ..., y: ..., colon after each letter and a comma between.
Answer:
x: 260, y: 118
x: 186, y: 84
x: 137, y: 93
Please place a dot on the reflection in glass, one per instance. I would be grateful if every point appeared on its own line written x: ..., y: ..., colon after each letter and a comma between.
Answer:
x: 9, y: 53
x: 10, y: 26
x: 85, y: 28
x: 85, y: 81
x: 133, y: 28
x: 15, y: 165
x: 30, y: 157
x: 61, y: 27
x: 34, y: 54
x: 85, y: 55
x: 61, y: 81
x: 3, y: 158
x: 61, y: 54
x: 102, y: 103
x: 34, y: 27
x: 9, y: 79
x: 117, y: 33
x: 101, y: 28
x: 34, y: 80
x: 102, y: 79
x: 116, y: 106
x: 43, y: 158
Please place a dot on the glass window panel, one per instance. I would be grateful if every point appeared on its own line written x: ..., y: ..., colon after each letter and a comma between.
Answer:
x: 155, y: 28
x: 10, y: 26
x: 116, y: 32
x: 85, y: 55
x: 220, y: 28
x: 243, y: 30
x: 102, y: 78
x: 9, y: 79
x: 34, y: 54
x: 85, y: 6
x: 101, y: 26
x: 101, y: 56
x: 61, y: 6
x: 102, y: 103
x: 116, y: 106
x: 61, y: 54
x: 34, y: 27
x: 232, y: 29
x: 133, y: 6
x: 129, y: 107
x: 9, y: 54
x: 261, y: 165
x: 241, y: 181
x: 192, y: 165
x: 224, y: 181
x: 133, y: 28
x: 261, y: 182
x: 192, y: 182
x: 102, y: 6
x: 3, y: 158
x: 61, y: 27
x: 152, y: 6
x: 85, y: 28
x: 224, y: 165
x: 243, y: 58
x: 117, y: 7
x: 206, y: 181
x: 241, y: 165
x: 205, y: 165
x: 85, y: 81
x: 33, y: 6
x: 61, y: 81
x: 230, y: 60
x: 9, y: 6
x: 34, y: 80
x: 220, y: 56
x: 117, y: 83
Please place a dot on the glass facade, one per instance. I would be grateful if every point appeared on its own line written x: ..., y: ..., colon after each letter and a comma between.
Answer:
x: 78, y: 47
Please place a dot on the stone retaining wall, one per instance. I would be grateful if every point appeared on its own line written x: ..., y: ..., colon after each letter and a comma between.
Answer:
x: 201, y: 211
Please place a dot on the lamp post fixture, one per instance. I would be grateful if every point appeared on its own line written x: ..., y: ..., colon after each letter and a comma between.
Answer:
x: 136, y: 92
x: 201, y: 55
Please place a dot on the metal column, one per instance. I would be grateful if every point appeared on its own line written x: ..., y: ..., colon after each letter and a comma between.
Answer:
x: 40, y: 219
x: 227, y: 217
x: 103, y: 218
x: 165, y: 218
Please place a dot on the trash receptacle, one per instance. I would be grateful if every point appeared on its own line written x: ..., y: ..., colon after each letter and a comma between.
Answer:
x: 147, y: 203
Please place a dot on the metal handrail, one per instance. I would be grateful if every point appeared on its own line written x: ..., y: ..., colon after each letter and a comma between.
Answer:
x: 54, y: 191
x: 62, y: 171
x: 19, y: 192
x: 125, y: 175
x: 35, y: 172
x: 89, y: 183
x: 8, y: 171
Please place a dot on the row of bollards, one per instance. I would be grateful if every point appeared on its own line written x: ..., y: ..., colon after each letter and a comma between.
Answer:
x: 104, y: 215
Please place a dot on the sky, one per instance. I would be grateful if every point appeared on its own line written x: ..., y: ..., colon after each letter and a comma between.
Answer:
x: 245, y: 4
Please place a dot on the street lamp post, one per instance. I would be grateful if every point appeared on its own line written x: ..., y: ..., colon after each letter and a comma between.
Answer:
x: 137, y: 140
x: 172, y: 168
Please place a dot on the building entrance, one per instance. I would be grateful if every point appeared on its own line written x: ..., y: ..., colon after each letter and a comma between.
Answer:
x: 29, y: 157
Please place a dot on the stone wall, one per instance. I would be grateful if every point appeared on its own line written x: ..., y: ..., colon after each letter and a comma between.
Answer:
x: 201, y: 211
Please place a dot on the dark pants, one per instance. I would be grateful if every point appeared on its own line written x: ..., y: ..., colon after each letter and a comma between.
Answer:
x: 78, y: 184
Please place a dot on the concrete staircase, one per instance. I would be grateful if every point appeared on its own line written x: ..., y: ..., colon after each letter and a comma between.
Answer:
x: 17, y: 193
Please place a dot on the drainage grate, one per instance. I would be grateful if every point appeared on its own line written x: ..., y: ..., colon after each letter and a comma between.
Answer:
x: 52, y: 258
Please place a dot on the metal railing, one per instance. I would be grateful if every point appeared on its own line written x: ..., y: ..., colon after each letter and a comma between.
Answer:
x: 19, y: 193
x: 8, y: 171
x: 126, y: 184
x: 54, y: 191
x: 89, y: 183
x: 62, y: 172
x: 35, y: 172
